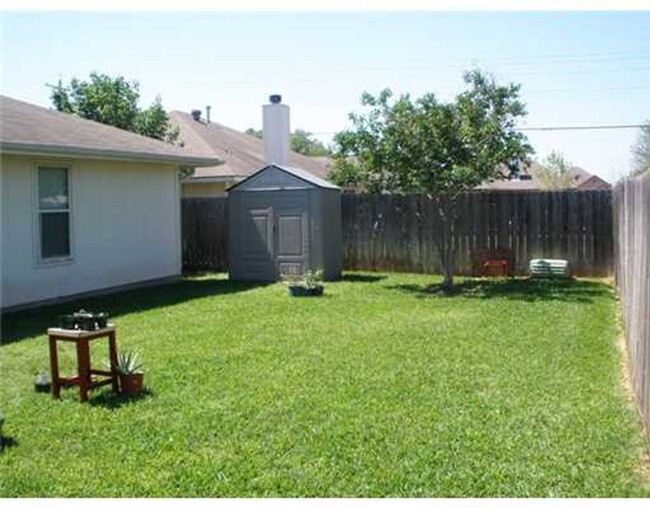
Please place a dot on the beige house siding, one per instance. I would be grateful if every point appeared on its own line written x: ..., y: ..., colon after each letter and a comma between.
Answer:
x: 124, y: 224
x: 205, y: 189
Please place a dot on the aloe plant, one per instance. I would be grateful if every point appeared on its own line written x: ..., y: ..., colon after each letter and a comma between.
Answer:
x: 313, y: 279
x: 128, y: 363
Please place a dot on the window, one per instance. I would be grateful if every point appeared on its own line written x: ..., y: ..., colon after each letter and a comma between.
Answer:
x: 53, y: 212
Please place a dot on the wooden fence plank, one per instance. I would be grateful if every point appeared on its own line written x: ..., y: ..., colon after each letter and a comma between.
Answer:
x: 391, y: 232
x: 631, y: 225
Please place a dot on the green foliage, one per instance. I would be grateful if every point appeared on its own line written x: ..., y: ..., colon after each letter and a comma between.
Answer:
x: 432, y: 147
x: 113, y: 101
x: 153, y: 122
x: 554, y: 172
x: 378, y: 390
x: 641, y: 151
x: 254, y: 132
x: 301, y: 142
x: 128, y: 363
x: 435, y: 148
x: 311, y: 279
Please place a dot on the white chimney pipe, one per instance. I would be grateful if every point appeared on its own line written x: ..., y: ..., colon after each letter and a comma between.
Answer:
x: 276, y: 132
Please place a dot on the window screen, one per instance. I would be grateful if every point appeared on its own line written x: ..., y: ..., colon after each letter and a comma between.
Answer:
x: 54, y: 212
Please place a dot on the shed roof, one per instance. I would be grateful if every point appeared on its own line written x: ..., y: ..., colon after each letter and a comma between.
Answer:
x: 31, y: 129
x: 298, y: 173
x: 242, y: 153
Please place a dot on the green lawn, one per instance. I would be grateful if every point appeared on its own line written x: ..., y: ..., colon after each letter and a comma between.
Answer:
x: 375, y: 389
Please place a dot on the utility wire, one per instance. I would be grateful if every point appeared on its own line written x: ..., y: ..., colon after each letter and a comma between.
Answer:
x: 557, y: 128
x: 579, y: 128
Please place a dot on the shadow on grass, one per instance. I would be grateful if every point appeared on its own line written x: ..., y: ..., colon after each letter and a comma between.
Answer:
x: 112, y: 401
x: 28, y: 323
x: 7, y: 442
x: 361, y: 277
x: 528, y: 290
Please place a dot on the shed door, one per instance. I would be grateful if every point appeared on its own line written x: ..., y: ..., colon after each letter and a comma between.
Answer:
x: 258, y: 248
x: 291, y: 240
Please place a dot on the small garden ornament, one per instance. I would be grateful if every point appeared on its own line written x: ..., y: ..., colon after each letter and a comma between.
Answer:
x: 41, y: 384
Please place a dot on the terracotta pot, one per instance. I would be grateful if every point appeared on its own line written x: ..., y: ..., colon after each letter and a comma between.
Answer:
x: 130, y: 384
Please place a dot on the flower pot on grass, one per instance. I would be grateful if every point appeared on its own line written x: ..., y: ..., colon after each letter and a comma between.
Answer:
x: 131, y: 384
x: 129, y: 372
x: 309, y: 285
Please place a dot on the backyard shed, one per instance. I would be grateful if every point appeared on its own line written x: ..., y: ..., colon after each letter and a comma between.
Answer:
x: 284, y: 221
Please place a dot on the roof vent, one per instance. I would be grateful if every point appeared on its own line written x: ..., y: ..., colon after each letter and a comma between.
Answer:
x: 525, y: 176
x: 196, y: 114
x: 275, y: 99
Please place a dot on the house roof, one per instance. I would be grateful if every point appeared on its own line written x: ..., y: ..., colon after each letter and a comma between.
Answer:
x: 296, y: 172
x: 29, y: 129
x: 242, y: 153
x: 579, y: 179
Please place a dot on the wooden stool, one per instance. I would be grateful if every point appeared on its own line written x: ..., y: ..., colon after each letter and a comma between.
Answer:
x: 84, y: 379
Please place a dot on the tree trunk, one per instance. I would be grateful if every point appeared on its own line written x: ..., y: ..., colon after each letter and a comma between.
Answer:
x: 444, y: 243
x: 448, y: 276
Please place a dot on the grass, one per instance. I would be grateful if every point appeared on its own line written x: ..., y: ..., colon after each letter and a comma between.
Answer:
x: 376, y: 389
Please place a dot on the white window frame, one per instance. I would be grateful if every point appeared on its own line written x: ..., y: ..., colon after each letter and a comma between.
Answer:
x: 40, y: 261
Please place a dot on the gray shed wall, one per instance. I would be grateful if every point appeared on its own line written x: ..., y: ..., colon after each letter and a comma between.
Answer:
x: 283, y: 230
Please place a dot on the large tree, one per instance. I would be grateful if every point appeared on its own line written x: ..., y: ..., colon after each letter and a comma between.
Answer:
x: 113, y: 101
x: 305, y: 143
x: 554, y: 172
x: 436, y: 148
x: 641, y: 151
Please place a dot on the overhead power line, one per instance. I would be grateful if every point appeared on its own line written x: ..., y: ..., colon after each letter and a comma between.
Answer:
x: 553, y: 128
x: 580, y: 128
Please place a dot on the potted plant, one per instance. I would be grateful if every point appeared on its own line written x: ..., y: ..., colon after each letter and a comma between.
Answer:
x: 309, y: 285
x: 129, y: 371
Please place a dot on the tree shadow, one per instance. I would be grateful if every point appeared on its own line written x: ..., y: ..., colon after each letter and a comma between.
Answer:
x: 29, y: 323
x: 361, y: 277
x: 111, y: 400
x: 528, y: 290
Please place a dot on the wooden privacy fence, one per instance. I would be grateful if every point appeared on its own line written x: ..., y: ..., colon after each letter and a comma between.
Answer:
x: 632, y: 268
x: 204, y: 226
x: 388, y: 232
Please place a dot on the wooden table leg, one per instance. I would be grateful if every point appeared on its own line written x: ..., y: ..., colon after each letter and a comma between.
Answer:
x: 54, y: 369
x: 112, y: 354
x: 83, y: 365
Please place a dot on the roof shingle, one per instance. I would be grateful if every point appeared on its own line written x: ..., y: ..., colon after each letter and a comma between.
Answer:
x: 242, y: 153
x: 27, y: 128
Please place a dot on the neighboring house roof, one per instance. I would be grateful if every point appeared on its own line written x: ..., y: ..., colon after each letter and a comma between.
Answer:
x: 588, y: 181
x: 296, y: 172
x: 29, y: 129
x: 579, y: 178
x: 242, y: 153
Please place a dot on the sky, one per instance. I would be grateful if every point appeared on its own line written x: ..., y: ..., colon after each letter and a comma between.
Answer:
x: 575, y: 68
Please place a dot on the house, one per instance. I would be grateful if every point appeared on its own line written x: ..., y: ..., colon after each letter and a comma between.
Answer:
x: 242, y: 154
x: 85, y: 207
x: 579, y: 179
